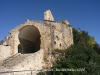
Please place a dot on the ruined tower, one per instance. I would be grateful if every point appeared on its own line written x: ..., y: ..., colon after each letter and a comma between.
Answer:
x: 30, y: 44
x: 48, y: 15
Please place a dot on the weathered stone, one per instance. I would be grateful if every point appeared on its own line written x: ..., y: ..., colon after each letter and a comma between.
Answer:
x: 48, y: 15
x: 30, y: 45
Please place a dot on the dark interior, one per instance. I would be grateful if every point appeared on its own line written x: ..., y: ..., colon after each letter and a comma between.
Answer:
x: 29, y: 38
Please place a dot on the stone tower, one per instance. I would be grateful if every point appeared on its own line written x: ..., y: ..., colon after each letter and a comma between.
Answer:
x: 48, y: 15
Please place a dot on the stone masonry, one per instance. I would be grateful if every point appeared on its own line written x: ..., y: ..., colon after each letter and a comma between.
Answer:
x: 30, y: 44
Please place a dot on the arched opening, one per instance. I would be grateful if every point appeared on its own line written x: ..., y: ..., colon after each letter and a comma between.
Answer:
x: 29, y: 38
x: 20, y: 48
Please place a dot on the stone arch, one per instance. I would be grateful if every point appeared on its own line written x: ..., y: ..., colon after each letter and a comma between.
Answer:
x: 20, y: 48
x: 29, y: 39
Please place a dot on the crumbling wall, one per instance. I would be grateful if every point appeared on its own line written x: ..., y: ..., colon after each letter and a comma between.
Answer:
x: 5, y: 52
x: 53, y: 35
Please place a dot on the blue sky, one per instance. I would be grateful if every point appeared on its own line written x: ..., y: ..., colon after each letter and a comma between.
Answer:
x: 83, y: 14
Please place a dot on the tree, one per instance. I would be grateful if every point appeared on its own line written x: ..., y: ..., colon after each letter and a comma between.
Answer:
x: 83, y: 55
x: 97, y: 48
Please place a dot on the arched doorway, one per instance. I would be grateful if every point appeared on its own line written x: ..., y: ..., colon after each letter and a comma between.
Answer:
x: 29, y: 38
x: 20, y: 48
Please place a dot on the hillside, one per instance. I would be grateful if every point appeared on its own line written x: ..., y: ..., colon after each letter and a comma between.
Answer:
x: 82, y: 58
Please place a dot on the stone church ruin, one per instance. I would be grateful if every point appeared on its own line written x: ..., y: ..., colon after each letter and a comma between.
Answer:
x: 30, y: 45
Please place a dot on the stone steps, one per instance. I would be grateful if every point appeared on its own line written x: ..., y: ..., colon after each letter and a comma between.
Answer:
x: 31, y: 60
x: 10, y: 58
x: 14, y: 60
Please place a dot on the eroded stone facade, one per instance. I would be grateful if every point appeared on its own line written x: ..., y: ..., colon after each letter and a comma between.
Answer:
x: 44, y: 37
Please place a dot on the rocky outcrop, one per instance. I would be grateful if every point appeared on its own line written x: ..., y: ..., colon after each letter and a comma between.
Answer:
x: 31, y: 44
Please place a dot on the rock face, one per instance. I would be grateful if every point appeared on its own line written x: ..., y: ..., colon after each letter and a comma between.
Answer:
x: 30, y: 45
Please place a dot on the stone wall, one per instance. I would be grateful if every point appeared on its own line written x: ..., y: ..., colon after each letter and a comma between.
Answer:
x: 5, y: 52
x: 53, y: 35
